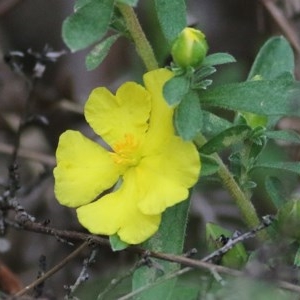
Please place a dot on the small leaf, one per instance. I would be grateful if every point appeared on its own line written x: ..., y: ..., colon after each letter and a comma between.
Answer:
x: 297, y: 258
x: 188, y: 116
x: 275, y: 190
x: 129, y: 2
x: 175, y: 89
x: 274, y: 58
x: 285, y: 135
x: 263, y: 97
x: 209, y: 165
x: 293, y: 167
x: 289, y: 219
x: 204, y: 72
x: 186, y: 291
x: 100, y: 51
x: 202, y: 85
x: 80, y: 3
x: 171, y: 16
x: 116, y: 243
x: 235, y: 257
x: 88, y: 24
x: 226, y: 138
x: 212, y: 124
x: 218, y: 59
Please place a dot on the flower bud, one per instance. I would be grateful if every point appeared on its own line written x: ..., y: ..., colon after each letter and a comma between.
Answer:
x: 189, y: 48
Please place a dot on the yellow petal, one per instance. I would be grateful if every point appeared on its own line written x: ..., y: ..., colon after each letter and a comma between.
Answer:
x: 118, y: 213
x: 164, y: 178
x: 161, y: 119
x: 84, y: 169
x: 113, y: 117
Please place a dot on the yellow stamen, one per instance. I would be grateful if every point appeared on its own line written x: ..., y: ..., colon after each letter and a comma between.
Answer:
x: 126, y: 151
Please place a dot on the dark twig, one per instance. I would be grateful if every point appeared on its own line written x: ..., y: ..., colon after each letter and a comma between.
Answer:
x: 29, y: 154
x: 118, y: 280
x: 267, y: 220
x: 83, y: 276
x: 56, y: 268
x: 286, y: 27
x: 193, y: 263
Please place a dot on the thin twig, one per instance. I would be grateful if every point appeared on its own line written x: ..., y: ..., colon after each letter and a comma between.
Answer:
x: 193, y: 263
x: 160, y: 281
x: 29, y: 154
x: 288, y: 30
x: 114, y: 282
x: 83, y: 276
x: 56, y: 268
x: 267, y: 220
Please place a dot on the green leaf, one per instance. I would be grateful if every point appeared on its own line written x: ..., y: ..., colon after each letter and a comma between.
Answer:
x: 285, y: 135
x: 225, y: 139
x: 88, y: 24
x: 172, y: 17
x: 209, y: 165
x: 297, y: 258
x: 293, y: 167
x: 213, y: 124
x: 203, y: 72
x: 175, y: 89
x: 264, y: 97
x: 99, y: 52
x: 129, y: 2
x: 188, y: 116
x: 186, y: 291
x: 235, y: 257
x: 169, y: 239
x: 274, y: 58
x: 116, y: 243
x: 218, y: 59
x: 275, y: 190
x: 289, y: 219
x: 80, y: 3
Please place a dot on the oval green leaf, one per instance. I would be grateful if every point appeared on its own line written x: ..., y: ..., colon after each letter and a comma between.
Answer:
x: 172, y: 17
x: 188, y: 116
x: 175, y: 89
x: 99, y: 52
x: 88, y: 24
x: 274, y: 58
x: 218, y: 59
x: 225, y: 139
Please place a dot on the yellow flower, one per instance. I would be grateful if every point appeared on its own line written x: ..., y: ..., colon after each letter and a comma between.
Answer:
x: 153, y: 168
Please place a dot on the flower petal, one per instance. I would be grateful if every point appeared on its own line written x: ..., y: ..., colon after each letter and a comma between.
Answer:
x: 164, y: 178
x: 84, y: 169
x: 161, y: 119
x: 118, y: 213
x: 112, y: 117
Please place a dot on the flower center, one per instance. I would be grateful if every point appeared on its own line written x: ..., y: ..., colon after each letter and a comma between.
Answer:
x: 126, y: 152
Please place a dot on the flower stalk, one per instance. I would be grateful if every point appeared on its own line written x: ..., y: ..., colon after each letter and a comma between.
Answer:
x: 142, y: 45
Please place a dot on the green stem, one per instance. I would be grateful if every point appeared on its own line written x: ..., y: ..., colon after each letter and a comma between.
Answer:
x: 142, y: 45
x: 243, y: 203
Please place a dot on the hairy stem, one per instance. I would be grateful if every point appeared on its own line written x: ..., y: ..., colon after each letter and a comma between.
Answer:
x: 243, y: 203
x: 142, y: 45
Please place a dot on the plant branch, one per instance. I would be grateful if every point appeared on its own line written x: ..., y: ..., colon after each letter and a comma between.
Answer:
x: 193, y: 263
x: 142, y: 45
x: 29, y: 154
x: 56, y: 268
x: 243, y: 203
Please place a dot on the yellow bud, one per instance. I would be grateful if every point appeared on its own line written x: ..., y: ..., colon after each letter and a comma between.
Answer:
x: 189, y: 48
